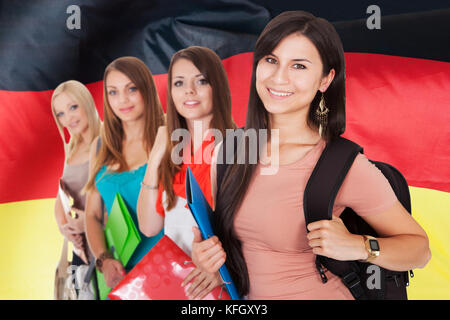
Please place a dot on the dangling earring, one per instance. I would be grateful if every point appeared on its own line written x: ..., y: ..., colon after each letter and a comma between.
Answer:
x: 322, y: 115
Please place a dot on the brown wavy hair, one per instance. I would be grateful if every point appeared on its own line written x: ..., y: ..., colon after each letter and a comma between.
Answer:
x: 211, y: 67
x: 111, y: 133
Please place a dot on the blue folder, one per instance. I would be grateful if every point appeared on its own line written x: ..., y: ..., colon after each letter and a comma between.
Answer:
x: 201, y: 210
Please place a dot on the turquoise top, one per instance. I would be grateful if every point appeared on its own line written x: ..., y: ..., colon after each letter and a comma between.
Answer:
x: 128, y: 185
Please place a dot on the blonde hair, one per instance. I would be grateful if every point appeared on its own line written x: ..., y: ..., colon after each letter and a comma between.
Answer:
x: 112, y: 133
x: 81, y: 95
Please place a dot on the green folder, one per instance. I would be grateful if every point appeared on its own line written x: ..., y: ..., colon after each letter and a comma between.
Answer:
x: 122, y: 238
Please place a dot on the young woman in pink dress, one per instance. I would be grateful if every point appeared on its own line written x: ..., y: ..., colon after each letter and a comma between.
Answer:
x: 298, y: 72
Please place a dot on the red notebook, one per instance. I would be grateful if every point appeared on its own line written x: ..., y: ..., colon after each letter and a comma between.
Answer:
x: 158, y: 276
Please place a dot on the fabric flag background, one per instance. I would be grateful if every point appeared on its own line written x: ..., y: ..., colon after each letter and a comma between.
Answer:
x: 398, y: 98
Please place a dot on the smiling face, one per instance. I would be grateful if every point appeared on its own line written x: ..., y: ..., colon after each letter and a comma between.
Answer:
x: 70, y: 114
x: 191, y: 92
x: 124, y: 97
x: 288, y: 78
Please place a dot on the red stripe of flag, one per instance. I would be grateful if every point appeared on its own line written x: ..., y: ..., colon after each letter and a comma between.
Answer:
x: 395, y: 109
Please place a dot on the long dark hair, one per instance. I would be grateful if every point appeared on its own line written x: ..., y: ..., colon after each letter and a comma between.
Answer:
x: 211, y: 67
x: 237, y: 177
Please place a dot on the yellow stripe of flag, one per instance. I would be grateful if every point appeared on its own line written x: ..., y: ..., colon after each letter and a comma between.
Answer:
x: 31, y: 246
x: 30, y: 249
x: 431, y: 209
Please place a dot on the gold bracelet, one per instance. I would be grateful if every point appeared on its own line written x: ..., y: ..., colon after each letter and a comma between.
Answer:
x: 146, y: 186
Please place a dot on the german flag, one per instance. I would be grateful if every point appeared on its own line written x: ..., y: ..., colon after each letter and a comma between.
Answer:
x: 398, y: 98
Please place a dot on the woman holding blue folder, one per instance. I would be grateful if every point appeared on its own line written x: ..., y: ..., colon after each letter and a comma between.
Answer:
x: 198, y: 99
x: 132, y: 115
x: 298, y: 88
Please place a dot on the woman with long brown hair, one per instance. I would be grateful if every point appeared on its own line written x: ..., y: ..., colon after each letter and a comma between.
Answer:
x: 198, y: 99
x: 132, y: 115
x: 298, y: 89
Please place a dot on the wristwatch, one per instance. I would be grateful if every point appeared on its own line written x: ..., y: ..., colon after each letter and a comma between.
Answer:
x: 372, y: 247
x: 99, y: 261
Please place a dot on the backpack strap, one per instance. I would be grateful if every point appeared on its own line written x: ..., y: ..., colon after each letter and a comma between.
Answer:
x: 327, y: 177
x: 318, y: 200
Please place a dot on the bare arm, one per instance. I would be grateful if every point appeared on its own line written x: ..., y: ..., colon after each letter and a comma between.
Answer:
x: 93, y: 212
x: 112, y: 269
x: 150, y: 221
x: 403, y: 243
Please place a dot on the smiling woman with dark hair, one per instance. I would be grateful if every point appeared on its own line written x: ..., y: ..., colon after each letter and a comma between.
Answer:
x: 298, y: 88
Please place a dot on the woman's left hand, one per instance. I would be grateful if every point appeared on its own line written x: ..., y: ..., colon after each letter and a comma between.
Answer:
x: 330, y: 238
x: 202, y: 283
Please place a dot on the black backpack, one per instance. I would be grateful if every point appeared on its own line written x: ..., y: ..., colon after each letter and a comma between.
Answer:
x: 319, y: 196
x: 320, y: 193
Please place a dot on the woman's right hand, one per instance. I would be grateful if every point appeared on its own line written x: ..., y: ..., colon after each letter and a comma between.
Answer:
x: 159, y: 146
x: 113, y: 272
x: 207, y: 254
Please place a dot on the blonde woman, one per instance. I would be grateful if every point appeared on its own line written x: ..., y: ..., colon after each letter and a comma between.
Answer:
x: 74, y: 109
x: 132, y: 115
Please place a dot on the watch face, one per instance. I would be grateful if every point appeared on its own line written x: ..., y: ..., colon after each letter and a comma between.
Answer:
x: 374, y: 245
